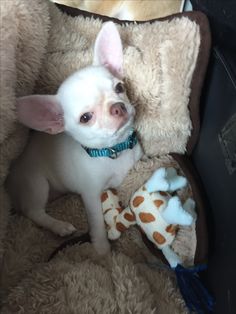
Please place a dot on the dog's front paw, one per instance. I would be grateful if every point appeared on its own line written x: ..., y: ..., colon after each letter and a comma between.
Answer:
x: 102, y: 246
x: 63, y: 228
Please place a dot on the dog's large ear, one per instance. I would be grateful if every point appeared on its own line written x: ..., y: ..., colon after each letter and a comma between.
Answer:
x: 108, y: 49
x: 41, y: 113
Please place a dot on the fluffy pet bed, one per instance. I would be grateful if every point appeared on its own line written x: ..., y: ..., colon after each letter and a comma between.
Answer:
x: 165, y: 62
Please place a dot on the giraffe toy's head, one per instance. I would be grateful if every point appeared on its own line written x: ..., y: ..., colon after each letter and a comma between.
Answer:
x: 153, y: 208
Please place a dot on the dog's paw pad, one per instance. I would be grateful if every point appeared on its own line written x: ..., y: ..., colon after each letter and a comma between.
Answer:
x: 64, y: 228
x: 102, y: 247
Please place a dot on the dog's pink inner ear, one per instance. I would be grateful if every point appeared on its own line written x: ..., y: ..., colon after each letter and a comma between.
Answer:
x: 108, y: 49
x: 41, y: 113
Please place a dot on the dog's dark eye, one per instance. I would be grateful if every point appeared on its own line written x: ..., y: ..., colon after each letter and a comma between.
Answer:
x: 86, y: 117
x: 119, y: 88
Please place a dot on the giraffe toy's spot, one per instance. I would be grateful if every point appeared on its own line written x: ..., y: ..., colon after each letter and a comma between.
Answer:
x: 129, y: 217
x: 120, y: 227
x: 146, y: 217
x: 138, y: 200
x: 158, y: 203
x: 171, y: 229
x: 119, y: 209
x: 158, y: 238
x: 114, y: 192
x: 163, y: 193
x: 104, y: 197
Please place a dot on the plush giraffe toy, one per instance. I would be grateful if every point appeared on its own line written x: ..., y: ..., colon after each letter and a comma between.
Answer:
x: 155, y: 211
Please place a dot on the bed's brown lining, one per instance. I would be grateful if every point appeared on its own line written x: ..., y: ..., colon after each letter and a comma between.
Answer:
x: 201, y: 204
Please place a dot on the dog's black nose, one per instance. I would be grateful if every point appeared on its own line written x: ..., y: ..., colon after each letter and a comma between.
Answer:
x: 118, y: 109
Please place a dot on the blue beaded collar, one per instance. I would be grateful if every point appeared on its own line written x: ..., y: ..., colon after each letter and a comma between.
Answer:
x: 112, y: 152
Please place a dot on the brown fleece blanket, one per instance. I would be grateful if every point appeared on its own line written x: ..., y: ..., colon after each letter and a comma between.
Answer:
x: 41, y: 46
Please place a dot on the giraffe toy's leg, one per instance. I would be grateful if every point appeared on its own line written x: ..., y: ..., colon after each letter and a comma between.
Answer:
x: 165, y: 179
x: 189, y: 206
x: 175, y: 181
x: 158, y: 181
x: 172, y: 258
x: 174, y: 213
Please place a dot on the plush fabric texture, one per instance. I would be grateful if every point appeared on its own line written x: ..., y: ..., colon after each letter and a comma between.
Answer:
x: 24, y: 34
x: 159, y: 87
x: 77, y: 279
x: 37, y: 57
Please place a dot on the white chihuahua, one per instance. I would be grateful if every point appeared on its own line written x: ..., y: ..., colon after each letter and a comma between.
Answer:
x: 96, y: 146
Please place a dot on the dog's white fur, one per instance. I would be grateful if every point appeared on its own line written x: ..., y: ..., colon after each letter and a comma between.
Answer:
x: 58, y: 162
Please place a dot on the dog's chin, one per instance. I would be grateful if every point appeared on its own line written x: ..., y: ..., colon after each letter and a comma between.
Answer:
x: 110, y: 138
x: 122, y: 133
